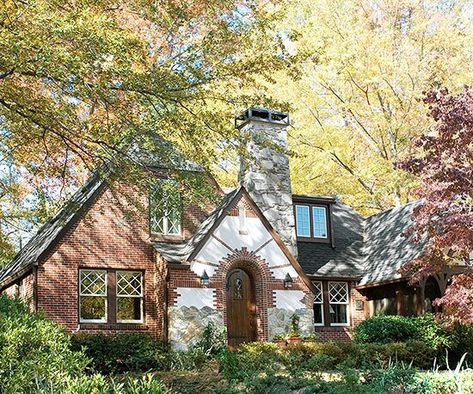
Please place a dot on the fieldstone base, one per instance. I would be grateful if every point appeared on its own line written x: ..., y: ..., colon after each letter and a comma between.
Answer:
x: 186, y: 324
x: 279, y: 321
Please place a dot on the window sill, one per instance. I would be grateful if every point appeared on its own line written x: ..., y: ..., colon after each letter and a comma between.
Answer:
x: 114, y: 326
x: 167, y: 237
x: 314, y: 240
x: 331, y: 328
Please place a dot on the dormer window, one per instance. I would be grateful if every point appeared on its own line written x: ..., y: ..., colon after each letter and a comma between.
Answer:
x: 165, y: 209
x: 313, y: 220
x: 319, y: 219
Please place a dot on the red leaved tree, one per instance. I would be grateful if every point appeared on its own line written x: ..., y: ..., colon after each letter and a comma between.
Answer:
x: 445, y: 216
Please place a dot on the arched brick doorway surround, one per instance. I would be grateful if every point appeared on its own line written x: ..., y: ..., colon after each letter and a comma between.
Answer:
x: 260, y: 275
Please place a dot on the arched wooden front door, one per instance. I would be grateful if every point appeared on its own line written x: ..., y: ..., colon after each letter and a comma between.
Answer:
x: 241, y: 308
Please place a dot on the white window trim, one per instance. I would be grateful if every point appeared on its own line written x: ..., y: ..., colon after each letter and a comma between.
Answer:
x: 320, y: 303
x: 129, y: 296
x: 297, y: 230
x: 166, y: 227
x: 104, y: 320
x: 165, y: 218
x: 347, y: 303
x: 313, y: 221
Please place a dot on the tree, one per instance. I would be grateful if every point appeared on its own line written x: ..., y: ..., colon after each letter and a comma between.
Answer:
x: 445, y: 217
x: 356, y: 95
x: 83, y: 81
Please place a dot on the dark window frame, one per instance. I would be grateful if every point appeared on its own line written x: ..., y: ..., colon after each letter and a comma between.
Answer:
x: 111, y: 297
x: 328, y: 218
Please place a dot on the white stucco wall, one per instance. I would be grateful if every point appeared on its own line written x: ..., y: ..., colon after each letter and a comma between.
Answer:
x: 290, y: 300
x: 199, y: 298
x: 227, y: 238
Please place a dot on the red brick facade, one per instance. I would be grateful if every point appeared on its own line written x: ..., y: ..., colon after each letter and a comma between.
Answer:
x: 112, y: 235
x: 24, y: 289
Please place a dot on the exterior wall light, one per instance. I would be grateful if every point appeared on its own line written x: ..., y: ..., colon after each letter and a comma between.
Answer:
x: 288, y: 281
x: 204, y: 279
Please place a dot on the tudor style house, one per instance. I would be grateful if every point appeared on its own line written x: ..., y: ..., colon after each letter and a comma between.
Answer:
x: 248, y: 263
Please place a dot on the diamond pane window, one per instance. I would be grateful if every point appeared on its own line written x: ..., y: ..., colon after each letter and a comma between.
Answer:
x: 129, y: 296
x: 338, y: 298
x: 319, y: 215
x: 302, y: 221
x: 318, y: 304
x: 165, y: 209
x: 93, y: 296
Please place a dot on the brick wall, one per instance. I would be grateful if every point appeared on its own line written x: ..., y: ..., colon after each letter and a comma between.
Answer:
x: 113, y: 234
x: 23, y: 289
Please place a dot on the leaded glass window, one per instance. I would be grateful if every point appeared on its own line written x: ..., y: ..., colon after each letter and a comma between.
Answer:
x: 302, y: 221
x: 93, y: 296
x: 318, y: 304
x: 129, y: 296
x: 339, y: 300
x: 165, y: 208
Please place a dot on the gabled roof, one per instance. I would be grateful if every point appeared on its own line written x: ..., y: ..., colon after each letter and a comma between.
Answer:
x: 184, y: 253
x: 31, y: 253
x: 370, y: 250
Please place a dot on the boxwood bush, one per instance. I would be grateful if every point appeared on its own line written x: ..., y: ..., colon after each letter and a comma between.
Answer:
x: 453, y: 340
x: 124, y: 352
x: 386, y: 329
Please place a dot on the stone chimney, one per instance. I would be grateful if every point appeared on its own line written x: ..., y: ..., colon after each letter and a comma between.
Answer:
x: 264, y: 171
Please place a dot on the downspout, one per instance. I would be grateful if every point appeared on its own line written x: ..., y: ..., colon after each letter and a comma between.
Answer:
x: 35, y: 287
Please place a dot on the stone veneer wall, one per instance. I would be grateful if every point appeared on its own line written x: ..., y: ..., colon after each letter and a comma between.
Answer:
x: 265, y: 175
x: 187, y: 323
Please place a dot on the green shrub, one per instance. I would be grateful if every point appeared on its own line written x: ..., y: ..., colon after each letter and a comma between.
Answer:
x: 432, y: 331
x: 35, y: 353
x: 250, y: 359
x: 385, y: 329
x: 438, y: 338
x: 125, y: 352
x: 213, y: 340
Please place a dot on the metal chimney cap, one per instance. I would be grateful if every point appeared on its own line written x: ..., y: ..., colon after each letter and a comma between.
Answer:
x: 261, y: 114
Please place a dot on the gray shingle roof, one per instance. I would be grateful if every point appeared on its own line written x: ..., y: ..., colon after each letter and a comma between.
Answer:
x: 51, y: 230
x: 370, y: 249
x: 387, y: 249
x: 346, y: 259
